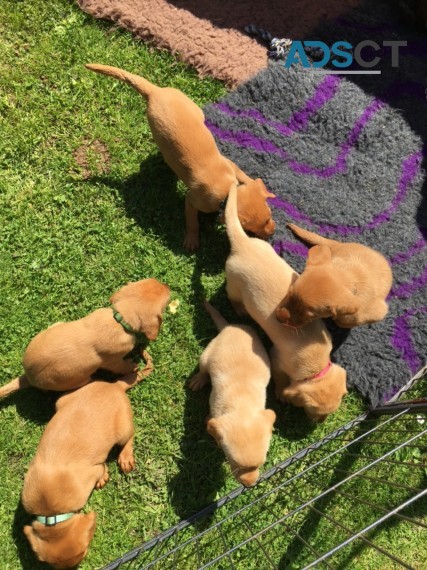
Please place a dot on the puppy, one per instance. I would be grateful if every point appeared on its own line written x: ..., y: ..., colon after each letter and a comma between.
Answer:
x: 70, y: 462
x: 239, y: 369
x: 257, y: 279
x: 64, y: 356
x: 346, y: 281
x: 189, y: 148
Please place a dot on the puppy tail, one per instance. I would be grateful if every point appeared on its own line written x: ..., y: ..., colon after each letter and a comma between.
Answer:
x: 234, y: 228
x: 140, y: 84
x: 13, y: 386
x: 310, y: 237
x: 216, y: 316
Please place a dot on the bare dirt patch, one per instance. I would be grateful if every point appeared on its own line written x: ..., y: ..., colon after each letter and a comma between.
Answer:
x: 92, y: 157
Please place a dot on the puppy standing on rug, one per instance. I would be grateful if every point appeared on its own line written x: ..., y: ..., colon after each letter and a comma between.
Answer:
x: 257, y: 280
x: 239, y: 369
x: 346, y: 281
x: 64, y: 356
x: 189, y: 148
x: 70, y: 463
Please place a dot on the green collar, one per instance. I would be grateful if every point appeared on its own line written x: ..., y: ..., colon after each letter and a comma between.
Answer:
x: 119, y: 318
x: 54, y: 519
x: 141, y: 340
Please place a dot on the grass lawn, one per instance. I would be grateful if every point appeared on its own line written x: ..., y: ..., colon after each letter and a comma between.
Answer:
x: 87, y: 204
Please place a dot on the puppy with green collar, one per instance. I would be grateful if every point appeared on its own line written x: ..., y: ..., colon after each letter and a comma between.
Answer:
x: 70, y: 463
x: 64, y: 356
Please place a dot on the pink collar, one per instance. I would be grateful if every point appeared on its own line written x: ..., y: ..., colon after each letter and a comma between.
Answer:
x: 320, y: 374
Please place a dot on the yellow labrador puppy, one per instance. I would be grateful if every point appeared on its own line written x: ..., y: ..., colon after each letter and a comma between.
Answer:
x: 239, y: 369
x: 257, y: 280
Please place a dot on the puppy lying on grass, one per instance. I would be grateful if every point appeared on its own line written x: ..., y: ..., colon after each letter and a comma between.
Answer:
x: 64, y: 356
x: 257, y: 280
x: 239, y: 369
x: 346, y: 281
x: 70, y: 463
x: 189, y: 148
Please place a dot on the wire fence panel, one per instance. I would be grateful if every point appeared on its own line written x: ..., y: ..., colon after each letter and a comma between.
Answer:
x: 328, y: 506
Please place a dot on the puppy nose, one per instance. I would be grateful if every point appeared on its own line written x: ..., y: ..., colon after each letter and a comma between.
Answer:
x: 249, y: 479
x: 320, y: 419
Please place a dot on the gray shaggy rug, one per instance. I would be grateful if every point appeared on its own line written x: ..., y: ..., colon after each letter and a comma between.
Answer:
x: 345, y: 157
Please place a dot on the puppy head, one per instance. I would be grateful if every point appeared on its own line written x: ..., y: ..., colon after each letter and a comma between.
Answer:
x: 245, y: 442
x: 142, y: 304
x: 321, y: 397
x: 65, y: 544
x: 252, y: 208
x: 317, y: 293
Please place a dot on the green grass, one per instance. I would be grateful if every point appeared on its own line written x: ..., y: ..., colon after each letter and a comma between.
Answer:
x: 73, y: 234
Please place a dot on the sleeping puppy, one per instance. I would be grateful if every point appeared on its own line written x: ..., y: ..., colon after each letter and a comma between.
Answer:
x: 70, y: 462
x: 346, y: 281
x: 189, y: 149
x: 64, y: 356
x: 257, y: 280
x: 239, y: 369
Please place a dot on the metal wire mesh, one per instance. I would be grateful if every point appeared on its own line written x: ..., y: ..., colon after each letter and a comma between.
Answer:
x: 321, y: 507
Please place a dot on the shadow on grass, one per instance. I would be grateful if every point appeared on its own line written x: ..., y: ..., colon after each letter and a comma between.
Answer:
x: 155, y: 200
x: 323, y: 510
x: 202, y: 465
x: 33, y: 404
x: 296, y: 552
x: 416, y: 510
x: 27, y: 557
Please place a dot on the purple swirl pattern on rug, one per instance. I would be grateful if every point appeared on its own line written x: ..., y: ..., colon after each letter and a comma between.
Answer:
x: 246, y: 139
x: 405, y: 290
x: 345, y: 163
x: 402, y: 339
x: 324, y: 92
x: 404, y: 256
x: 410, y: 170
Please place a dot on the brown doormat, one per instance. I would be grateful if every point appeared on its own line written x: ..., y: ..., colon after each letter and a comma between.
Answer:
x: 210, y: 34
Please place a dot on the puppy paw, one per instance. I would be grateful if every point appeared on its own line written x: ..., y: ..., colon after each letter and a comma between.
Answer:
x: 191, y: 242
x: 198, y: 381
x: 149, y: 366
x: 104, y: 479
x: 126, y: 462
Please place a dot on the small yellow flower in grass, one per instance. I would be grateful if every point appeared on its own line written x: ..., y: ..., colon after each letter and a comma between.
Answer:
x: 173, y: 306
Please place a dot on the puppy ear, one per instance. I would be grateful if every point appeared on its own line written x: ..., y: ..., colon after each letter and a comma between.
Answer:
x: 294, y: 397
x: 89, y: 523
x: 318, y: 255
x: 34, y: 540
x: 346, y: 304
x: 213, y: 428
x: 270, y: 416
x: 152, y: 328
x: 347, y: 310
x: 265, y: 192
